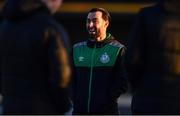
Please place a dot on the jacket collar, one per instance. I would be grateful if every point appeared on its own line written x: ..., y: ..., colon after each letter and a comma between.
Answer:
x: 91, y: 43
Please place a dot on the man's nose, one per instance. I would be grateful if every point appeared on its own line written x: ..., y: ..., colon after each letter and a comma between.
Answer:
x: 91, y: 24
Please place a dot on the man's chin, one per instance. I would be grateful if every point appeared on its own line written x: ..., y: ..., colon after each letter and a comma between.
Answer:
x: 92, y: 35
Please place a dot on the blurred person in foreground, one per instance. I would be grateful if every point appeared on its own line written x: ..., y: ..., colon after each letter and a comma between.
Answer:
x: 153, y: 59
x: 34, y: 61
x: 98, y: 78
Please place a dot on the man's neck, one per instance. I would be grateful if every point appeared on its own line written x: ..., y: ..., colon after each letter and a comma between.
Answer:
x: 101, y: 38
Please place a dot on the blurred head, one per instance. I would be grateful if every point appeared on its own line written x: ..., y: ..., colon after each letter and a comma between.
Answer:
x: 176, y: 1
x: 52, y: 5
x: 173, y: 4
x: 97, y: 22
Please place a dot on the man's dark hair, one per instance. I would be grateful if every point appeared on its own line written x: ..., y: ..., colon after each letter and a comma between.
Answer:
x: 105, y: 14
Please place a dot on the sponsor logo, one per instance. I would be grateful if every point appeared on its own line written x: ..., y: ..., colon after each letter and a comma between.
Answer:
x: 81, y: 58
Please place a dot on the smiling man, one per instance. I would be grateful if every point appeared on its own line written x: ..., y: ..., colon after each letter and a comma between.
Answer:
x: 98, y: 69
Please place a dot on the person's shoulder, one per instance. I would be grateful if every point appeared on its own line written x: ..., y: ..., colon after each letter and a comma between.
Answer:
x: 79, y: 44
x: 49, y: 21
x: 116, y: 43
x: 154, y: 8
x: 52, y: 25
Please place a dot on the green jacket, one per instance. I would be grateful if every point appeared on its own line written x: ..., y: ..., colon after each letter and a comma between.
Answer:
x: 98, y: 76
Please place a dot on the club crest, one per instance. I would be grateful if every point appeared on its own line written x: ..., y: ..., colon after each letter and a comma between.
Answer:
x: 104, y: 58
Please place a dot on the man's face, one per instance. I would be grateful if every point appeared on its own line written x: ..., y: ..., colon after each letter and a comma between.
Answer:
x: 96, y: 25
x: 53, y: 5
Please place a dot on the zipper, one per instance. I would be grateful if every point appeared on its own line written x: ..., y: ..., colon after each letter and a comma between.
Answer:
x: 90, y: 79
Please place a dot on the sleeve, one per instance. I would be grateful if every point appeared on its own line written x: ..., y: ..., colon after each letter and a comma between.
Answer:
x: 134, y: 60
x: 119, y: 80
x: 0, y: 76
x: 59, y: 71
x: 73, y: 78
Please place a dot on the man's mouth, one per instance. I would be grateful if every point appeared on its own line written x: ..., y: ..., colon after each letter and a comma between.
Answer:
x: 92, y: 31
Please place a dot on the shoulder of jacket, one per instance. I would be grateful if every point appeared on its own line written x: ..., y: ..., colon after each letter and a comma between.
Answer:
x: 116, y: 43
x: 49, y: 21
x: 79, y: 44
x: 150, y: 9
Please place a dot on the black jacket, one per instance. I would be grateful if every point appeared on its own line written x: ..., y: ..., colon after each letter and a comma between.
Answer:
x: 153, y: 62
x: 32, y: 45
x: 99, y: 76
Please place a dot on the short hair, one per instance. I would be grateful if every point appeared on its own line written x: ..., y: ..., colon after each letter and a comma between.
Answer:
x: 105, y: 14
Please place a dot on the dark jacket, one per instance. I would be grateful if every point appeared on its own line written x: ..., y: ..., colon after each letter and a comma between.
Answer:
x: 153, y: 62
x: 99, y: 77
x: 31, y: 42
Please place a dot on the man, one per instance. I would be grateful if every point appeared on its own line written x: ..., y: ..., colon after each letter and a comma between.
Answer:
x: 153, y: 59
x: 33, y: 58
x: 99, y: 73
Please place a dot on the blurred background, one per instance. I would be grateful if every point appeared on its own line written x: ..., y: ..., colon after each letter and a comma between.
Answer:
x: 72, y: 15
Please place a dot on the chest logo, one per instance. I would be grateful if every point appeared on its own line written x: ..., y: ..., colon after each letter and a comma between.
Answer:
x: 104, y: 58
x: 81, y: 58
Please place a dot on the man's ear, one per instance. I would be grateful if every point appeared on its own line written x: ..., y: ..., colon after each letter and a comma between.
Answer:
x: 107, y: 23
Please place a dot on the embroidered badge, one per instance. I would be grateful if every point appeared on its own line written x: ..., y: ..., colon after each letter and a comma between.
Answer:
x: 104, y: 58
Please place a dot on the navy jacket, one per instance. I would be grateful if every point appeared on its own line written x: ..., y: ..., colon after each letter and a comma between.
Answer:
x: 153, y: 62
x: 31, y: 43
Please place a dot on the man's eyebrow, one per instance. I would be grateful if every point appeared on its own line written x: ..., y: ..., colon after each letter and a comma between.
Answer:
x: 92, y: 19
